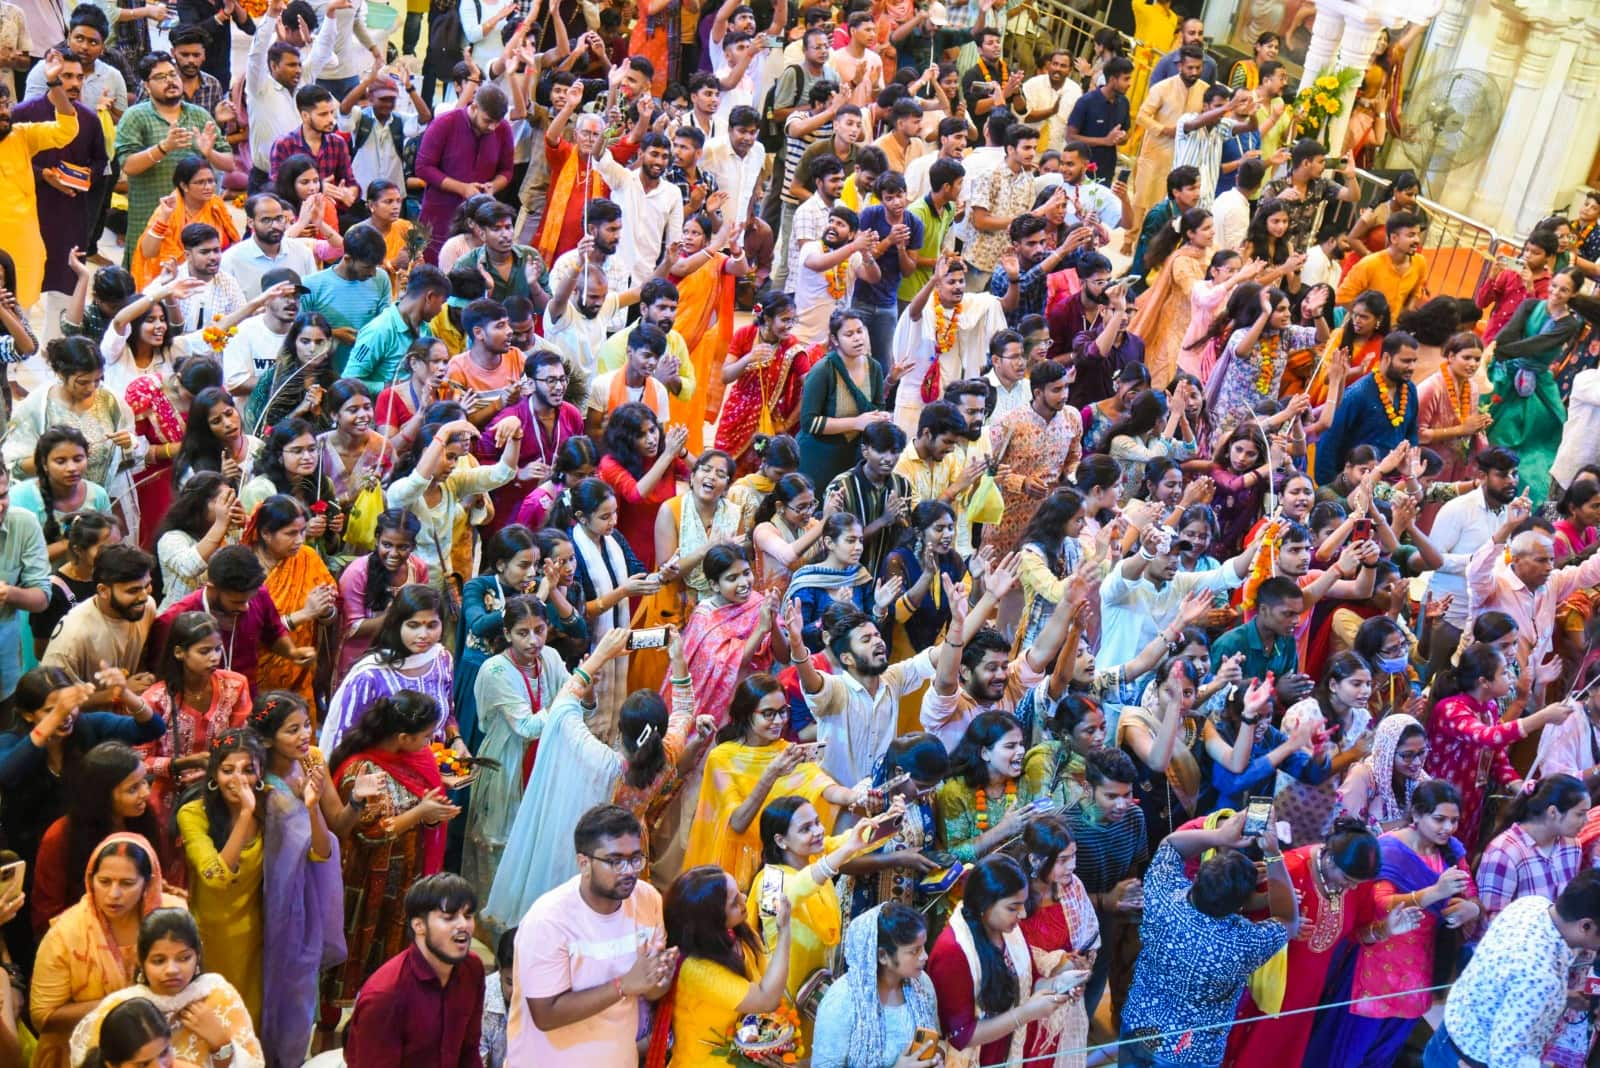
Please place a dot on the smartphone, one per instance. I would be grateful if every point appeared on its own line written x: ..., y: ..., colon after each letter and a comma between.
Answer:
x: 1256, y: 815
x: 814, y: 751
x: 647, y: 638
x: 1065, y: 982
x: 887, y: 828
x: 771, y: 890
x: 11, y: 879
x: 1123, y: 174
x: 924, y: 1044
x: 958, y: 246
x: 1362, y: 530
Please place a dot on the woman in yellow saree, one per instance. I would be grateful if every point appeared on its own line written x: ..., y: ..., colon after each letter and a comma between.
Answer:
x: 300, y: 586
x: 751, y: 764
x: 705, y: 277
x: 193, y: 200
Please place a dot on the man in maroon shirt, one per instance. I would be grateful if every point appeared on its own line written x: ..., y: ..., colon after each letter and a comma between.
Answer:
x: 235, y: 597
x: 424, y: 1006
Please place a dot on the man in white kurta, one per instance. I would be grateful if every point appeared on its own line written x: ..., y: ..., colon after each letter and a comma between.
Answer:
x: 1050, y: 95
x: 935, y: 364
x: 827, y: 271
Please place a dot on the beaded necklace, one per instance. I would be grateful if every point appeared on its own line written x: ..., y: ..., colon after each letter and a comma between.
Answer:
x: 1395, y: 417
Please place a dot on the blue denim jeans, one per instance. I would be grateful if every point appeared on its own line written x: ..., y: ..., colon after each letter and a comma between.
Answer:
x: 880, y: 328
x: 1439, y: 1053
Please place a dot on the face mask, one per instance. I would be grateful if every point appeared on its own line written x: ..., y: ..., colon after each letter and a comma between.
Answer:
x: 1392, y: 665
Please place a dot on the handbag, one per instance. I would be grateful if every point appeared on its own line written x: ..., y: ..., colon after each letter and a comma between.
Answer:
x: 361, y: 527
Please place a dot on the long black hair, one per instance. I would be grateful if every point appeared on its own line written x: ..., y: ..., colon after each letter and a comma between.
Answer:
x: 127, y: 1029
x: 219, y: 819
x: 53, y: 438
x: 786, y: 489
x: 696, y: 910
x: 1378, y: 305
x: 1043, y: 841
x: 1353, y: 848
x: 388, y: 645
x: 406, y: 712
x: 191, y: 507
x: 201, y: 450
x: 89, y: 820
x: 186, y: 629
x: 1564, y: 792
x: 993, y: 879
x: 1145, y: 416
x: 290, y: 377
x: 286, y: 431
x: 173, y: 924
x: 393, y: 520
x: 579, y: 500
x: 984, y: 732
x: 1048, y: 528
x: 621, y: 439
x: 642, y: 722
x: 742, y: 708
x: 776, y: 819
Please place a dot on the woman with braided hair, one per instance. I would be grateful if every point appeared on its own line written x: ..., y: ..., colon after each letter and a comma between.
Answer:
x: 61, y: 490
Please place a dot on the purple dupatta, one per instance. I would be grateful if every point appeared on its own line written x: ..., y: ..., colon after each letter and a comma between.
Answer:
x: 1406, y: 870
x: 304, y: 903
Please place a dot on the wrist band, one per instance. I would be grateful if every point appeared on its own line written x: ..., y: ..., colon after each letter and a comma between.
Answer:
x: 682, y: 682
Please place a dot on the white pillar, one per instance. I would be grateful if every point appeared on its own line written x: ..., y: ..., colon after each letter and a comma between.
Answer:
x: 1438, y: 48
x: 1461, y: 182
x: 1509, y: 170
x: 1326, y: 30
x: 1356, y: 46
x: 1584, y: 72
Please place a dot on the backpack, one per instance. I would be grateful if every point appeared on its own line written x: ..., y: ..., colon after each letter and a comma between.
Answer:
x: 772, y: 133
x: 366, y: 123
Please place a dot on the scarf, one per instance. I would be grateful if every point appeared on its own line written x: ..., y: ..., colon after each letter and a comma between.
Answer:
x: 861, y: 983
x: 1016, y: 950
x: 418, y: 773
x: 693, y: 535
x: 1380, y: 765
x: 91, y: 945
x: 654, y: 395
x: 86, y: 1035
x: 1083, y: 933
x: 564, y: 184
x: 1403, y: 867
x: 607, y: 568
x: 822, y: 577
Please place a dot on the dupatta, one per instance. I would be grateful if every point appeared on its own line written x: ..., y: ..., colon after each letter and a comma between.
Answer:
x: 860, y: 983
x: 564, y: 185
x: 418, y: 773
x: 1016, y: 948
x: 763, y: 400
x: 713, y: 641
x: 705, y: 322
x: 214, y: 213
x: 1409, y: 872
x: 731, y: 774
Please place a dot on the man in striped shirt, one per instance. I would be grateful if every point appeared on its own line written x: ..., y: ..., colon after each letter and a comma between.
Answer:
x: 1112, y: 852
x: 1201, y: 134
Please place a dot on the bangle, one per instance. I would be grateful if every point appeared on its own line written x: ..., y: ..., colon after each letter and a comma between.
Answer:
x: 588, y: 679
x: 1272, y: 858
x: 798, y: 660
x: 684, y: 681
x: 617, y: 982
x: 33, y: 736
x: 1249, y: 720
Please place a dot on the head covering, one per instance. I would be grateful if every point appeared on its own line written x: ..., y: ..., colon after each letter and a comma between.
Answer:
x: 88, y: 934
x: 861, y: 983
x: 1380, y: 763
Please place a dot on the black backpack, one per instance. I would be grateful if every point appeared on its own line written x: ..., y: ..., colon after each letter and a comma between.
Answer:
x: 772, y: 134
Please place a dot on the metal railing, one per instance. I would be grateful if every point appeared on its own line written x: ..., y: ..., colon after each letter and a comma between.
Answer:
x: 1461, y: 250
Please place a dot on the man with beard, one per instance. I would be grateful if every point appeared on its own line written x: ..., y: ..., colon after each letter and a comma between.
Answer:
x: 24, y: 581
x: 1399, y: 272
x: 827, y: 270
x: 1164, y: 106
x: 583, y: 1009
x: 1380, y: 410
x: 1459, y: 529
x: 189, y: 52
x: 1088, y: 202
x: 575, y: 178
x: 379, y: 354
x: 932, y: 462
x: 273, y: 74
x: 202, y: 252
x: 658, y: 307
x: 63, y: 213
x: 156, y: 133
x: 943, y: 335
x: 653, y: 207
x: 970, y: 396
x: 598, y: 306
x: 317, y: 136
x: 1050, y: 95
x: 548, y: 420
x: 110, y: 629
x: 1042, y: 444
x: 425, y: 1002
x: 466, y: 150
x: 353, y: 291
x: 1091, y: 327
x: 738, y: 158
x: 1021, y: 281
x: 1192, y: 31
x: 509, y: 268
x: 254, y: 347
x: 267, y: 248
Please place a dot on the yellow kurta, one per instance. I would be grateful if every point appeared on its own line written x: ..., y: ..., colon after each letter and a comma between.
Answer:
x: 19, y: 210
x: 226, y: 905
x: 816, y: 927
x: 705, y: 1009
x: 1167, y: 102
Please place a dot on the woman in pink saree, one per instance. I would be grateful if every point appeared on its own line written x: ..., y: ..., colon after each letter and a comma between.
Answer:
x: 728, y: 637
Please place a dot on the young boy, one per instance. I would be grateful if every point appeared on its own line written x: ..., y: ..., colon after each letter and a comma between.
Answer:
x: 1508, y: 287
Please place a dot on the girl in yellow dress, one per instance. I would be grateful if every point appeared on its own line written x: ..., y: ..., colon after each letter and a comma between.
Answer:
x: 221, y: 833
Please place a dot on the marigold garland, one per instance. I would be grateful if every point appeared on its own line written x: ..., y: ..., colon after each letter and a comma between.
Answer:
x: 1395, y: 417
x: 216, y: 337
x: 981, y: 803
x: 836, y: 276
x: 1460, y: 397
x: 945, y: 326
x: 1268, y: 348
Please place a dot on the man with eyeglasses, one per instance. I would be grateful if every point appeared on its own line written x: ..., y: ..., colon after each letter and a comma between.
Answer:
x: 548, y: 420
x: 588, y: 951
x: 1008, y: 365
x: 268, y: 248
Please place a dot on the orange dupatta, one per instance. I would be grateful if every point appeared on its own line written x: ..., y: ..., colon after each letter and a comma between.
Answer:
x: 289, y: 584
x: 214, y: 213
x: 705, y: 320
x: 563, y: 184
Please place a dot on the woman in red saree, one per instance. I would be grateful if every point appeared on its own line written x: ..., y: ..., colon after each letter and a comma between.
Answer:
x: 399, y: 837
x: 160, y: 405
x: 1062, y: 931
x: 705, y: 277
x: 765, y: 369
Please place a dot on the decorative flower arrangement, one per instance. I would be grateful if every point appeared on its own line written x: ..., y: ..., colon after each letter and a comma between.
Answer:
x: 254, y: 8
x: 216, y: 336
x: 946, y: 325
x: 838, y: 279
x: 1317, y: 104
x: 450, y: 762
x: 763, y: 1040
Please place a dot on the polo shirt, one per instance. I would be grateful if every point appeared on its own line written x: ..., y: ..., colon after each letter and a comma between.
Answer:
x: 1095, y: 116
x: 380, y: 348
x: 935, y: 227
x: 1258, y: 659
x: 244, y: 638
x: 345, y: 304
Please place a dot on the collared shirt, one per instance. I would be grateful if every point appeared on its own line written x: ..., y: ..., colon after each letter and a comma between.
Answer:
x: 381, y: 347
x: 220, y: 296
x: 404, y: 1016
x: 208, y: 92
x: 1505, y: 1006
x: 1513, y: 865
x: 1201, y: 148
x: 736, y: 175
x: 270, y: 104
x: 1231, y: 210
x: 1303, y: 212
x: 948, y: 717
x: 1493, y: 587
x: 1460, y: 528
x: 1095, y: 116
x: 1246, y: 638
x: 1191, y: 969
x: 1091, y: 198
x: 1019, y: 395
x: 1133, y: 611
x: 1040, y: 94
x: 936, y: 226
x: 1167, y: 67
x: 858, y: 726
x: 1360, y: 419
x: 1003, y: 194
x: 795, y: 147
x: 23, y: 561
x: 810, y: 220
x: 96, y: 83
x: 245, y: 261
x: 654, y: 218
x: 1032, y: 286
x: 332, y: 156
x: 703, y: 179
x: 379, y: 156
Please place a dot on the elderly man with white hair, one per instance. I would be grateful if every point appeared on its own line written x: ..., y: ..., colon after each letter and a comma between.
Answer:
x: 1525, y: 584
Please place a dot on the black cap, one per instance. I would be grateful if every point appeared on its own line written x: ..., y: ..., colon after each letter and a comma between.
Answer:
x: 283, y: 274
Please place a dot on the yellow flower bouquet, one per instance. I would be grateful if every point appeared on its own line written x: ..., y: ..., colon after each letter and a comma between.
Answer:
x: 1321, y: 100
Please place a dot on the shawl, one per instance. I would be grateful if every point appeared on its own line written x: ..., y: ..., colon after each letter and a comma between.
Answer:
x: 372, y: 678
x: 418, y: 773
x: 762, y: 399
x: 822, y: 577
x: 1016, y: 948
x: 693, y: 535
x: 1183, y: 770
x: 712, y: 643
x: 1083, y: 929
x: 564, y: 184
x: 732, y: 773
x: 1161, y: 301
x: 1409, y: 872
x: 246, y: 1048
x: 705, y: 322
x: 1380, y: 764
x: 861, y: 983
x: 303, y: 907
x: 606, y: 566
x: 214, y: 212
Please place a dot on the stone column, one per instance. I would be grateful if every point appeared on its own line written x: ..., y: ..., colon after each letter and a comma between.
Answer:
x: 1585, y: 74
x: 1509, y: 170
x: 1456, y: 187
x: 1326, y: 31
x: 1355, y: 50
x: 1438, y: 49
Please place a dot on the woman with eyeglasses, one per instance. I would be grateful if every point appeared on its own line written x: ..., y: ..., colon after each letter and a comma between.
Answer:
x: 1378, y: 788
x: 291, y: 465
x: 787, y: 530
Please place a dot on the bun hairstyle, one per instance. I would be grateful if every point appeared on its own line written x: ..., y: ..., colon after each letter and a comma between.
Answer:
x: 642, y: 723
x: 1353, y: 848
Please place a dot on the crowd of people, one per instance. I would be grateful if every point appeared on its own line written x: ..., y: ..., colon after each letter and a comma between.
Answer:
x: 647, y: 532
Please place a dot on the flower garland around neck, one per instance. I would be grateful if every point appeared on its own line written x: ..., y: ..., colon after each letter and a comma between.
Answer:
x: 1580, y: 234
x: 1460, y: 396
x: 984, y: 67
x: 1395, y: 417
x: 1269, y: 348
x: 980, y: 803
x: 945, y: 326
x: 837, y: 277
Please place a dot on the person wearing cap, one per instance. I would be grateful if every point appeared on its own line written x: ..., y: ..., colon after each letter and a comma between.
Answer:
x: 269, y: 247
x: 254, y: 347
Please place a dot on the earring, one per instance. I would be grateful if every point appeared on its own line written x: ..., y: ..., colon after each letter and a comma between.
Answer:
x: 211, y: 784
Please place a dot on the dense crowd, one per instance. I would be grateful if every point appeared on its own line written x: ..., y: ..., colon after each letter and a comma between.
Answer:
x: 806, y: 536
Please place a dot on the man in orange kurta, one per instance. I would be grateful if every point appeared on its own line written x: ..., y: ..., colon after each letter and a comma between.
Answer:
x: 571, y: 165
